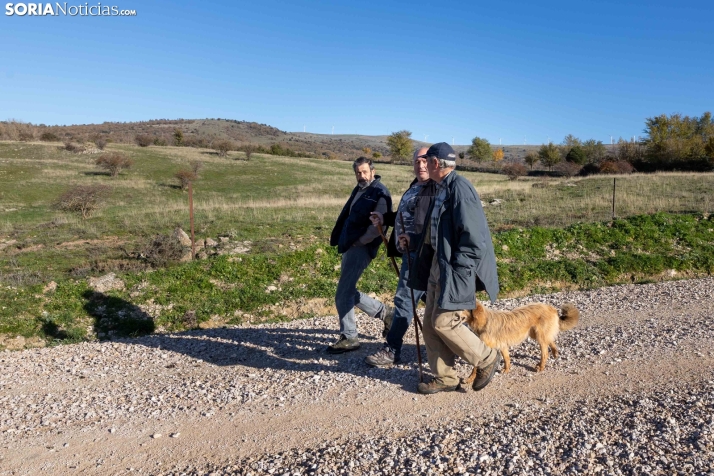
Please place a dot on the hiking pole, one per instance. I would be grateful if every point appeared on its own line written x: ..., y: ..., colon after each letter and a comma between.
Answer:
x: 417, y: 322
x: 386, y: 248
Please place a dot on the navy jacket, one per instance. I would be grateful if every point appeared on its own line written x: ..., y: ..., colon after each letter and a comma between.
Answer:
x: 352, y: 225
x: 467, y: 261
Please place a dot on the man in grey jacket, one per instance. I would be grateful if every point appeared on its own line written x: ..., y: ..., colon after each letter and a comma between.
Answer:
x: 455, y: 258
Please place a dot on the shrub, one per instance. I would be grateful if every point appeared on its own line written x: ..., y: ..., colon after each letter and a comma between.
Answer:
x: 376, y: 155
x: 185, y: 176
x: 514, y: 170
x: 569, y: 169
x: 72, y: 147
x: 178, y: 137
x: 196, y: 166
x: 49, y: 137
x: 143, y: 140
x: 616, y: 167
x: 160, y: 141
x: 25, y: 136
x: 114, y: 162
x: 100, y: 143
x: 162, y: 250
x: 85, y: 199
x: 223, y: 147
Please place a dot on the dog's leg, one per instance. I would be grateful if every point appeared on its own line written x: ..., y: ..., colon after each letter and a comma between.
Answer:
x: 553, y: 350
x: 543, y: 356
x: 506, y: 360
x: 469, y: 380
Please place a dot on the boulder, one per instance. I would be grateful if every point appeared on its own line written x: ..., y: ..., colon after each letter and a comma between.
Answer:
x: 183, y: 238
x: 106, y: 283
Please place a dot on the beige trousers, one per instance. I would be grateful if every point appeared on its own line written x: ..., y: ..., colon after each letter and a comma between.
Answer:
x: 446, y: 337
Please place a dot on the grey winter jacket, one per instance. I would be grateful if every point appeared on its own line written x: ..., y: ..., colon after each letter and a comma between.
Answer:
x: 467, y: 261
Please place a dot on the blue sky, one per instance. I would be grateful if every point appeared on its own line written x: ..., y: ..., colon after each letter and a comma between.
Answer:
x: 509, y: 71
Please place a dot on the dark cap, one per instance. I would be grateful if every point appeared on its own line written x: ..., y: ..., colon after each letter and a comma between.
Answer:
x: 442, y: 151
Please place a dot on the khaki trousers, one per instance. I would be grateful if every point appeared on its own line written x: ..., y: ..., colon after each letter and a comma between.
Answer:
x: 446, y: 337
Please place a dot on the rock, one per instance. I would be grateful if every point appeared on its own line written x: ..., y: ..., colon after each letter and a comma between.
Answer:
x: 183, y: 238
x: 7, y: 243
x: 156, y: 436
x: 271, y: 288
x: 105, y: 283
x: 223, y: 239
x: 201, y: 255
x: 504, y: 247
x: 495, y: 202
x: 210, y: 243
x: 175, y: 435
x: 187, y: 256
x: 51, y: 287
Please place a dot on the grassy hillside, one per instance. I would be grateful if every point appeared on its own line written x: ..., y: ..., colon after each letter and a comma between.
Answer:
x: 279, y: 212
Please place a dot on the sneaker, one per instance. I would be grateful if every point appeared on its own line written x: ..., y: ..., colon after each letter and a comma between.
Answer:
x: 343, y: 345
x: 435, y: 387
x: 384, y: 358
x: 387, y: 318
x: 484, y: 375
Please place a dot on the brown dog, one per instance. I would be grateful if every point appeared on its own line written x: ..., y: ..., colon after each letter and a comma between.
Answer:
x: 501, y: 329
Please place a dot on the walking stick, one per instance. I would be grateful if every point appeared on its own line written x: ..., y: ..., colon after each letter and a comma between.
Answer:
x: 386, y: 248
x: 417, y: 322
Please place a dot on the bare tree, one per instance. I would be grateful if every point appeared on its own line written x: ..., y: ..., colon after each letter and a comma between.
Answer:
x: 114, y: 162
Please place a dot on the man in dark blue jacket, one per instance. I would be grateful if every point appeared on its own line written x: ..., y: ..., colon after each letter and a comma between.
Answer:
x: 454, y: 260
x: 358, y: 240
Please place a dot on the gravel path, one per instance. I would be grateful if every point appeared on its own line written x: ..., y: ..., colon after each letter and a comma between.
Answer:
x: 632, y: 393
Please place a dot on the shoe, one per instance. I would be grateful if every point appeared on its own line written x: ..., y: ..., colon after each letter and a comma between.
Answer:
x: 343, y: 345
x: 385, y: 358
x: 435, y: 387
x: 484, y: 375
x: 387, y: 318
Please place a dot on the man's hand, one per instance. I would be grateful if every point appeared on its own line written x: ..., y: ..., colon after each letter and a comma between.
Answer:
x: 403, y: 241
x: 376, y: 218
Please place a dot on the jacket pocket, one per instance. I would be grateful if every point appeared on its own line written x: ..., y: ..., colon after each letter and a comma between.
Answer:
x: 463, y: 284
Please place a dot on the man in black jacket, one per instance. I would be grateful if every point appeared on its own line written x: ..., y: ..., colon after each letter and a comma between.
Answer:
x: 358, y: 240
x: 454, y: 260
x: 412, y: 210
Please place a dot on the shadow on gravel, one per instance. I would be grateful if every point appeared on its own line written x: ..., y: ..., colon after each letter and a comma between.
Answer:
x: 280, y: 348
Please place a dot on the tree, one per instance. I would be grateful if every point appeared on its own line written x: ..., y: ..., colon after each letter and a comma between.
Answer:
x: 400, y: 145
x: 571, y: 141
x: 676, y: 140
x: 480, y: 149
x: 549, y: 155
x: 114, y: 162
x: 376, y: 155
x: 178, y: 137
x: 366, y: 151
x: 498, y: 155
x: 248, y: 150
x: 629, y: 151
x: 532, y: 159
x: 594, y: 151
x: 576, y: 155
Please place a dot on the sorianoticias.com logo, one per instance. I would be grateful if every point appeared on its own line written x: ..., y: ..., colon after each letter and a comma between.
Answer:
x: 63, y: 9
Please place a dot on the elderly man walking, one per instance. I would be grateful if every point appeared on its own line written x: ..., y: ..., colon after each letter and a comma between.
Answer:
x: 412, y: 211
x: 455, y: 258
x: 358, y: 240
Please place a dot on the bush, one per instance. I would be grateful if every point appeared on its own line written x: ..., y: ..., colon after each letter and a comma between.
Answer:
x: 162, y: 250
x: 100, y: 143
x: 178, y: 137
x: 25, y: 136
x: 85, y: 199
x: 196, y: 166
x: 114, y: 162
x: 514, y: 170
x: 248, y: 150
x: 72, y: 147
x: 376, y: 155
x: 160, y: 141
x: 143, y: 140
x: 49, y: 137
x: 616, y: 167
x: 223, y: 147
x: 569, y: 169
x: 185, y: 176
x: 576, y: 155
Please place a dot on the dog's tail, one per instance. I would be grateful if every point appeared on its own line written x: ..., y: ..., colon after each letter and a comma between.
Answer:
x: 569, y: 316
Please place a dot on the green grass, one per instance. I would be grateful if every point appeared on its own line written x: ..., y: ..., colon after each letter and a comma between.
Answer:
x: 547, y: 237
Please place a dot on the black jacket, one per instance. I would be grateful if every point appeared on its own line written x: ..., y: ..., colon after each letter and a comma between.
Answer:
x: 467, y: 262
x: 351, y: 225
x: 423, y: 204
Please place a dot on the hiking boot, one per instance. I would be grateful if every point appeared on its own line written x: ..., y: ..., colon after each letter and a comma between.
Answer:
x: 435, y: 387
x: 384, y: 358
x: 387, y: 318
x: 343, y: 345
x: 484, y: 375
